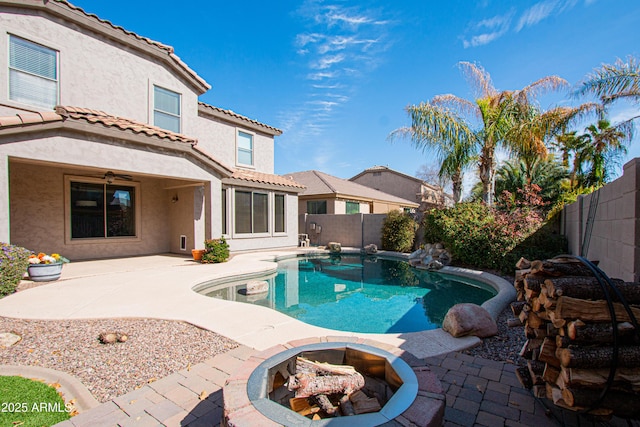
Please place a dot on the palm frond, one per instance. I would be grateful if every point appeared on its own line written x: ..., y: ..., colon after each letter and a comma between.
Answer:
x: 456, y: 104
x: 528, y: 94
x: 478, y: 78
x: 613, y: 81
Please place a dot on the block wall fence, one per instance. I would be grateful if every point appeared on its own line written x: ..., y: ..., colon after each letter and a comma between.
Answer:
x: 615, y: 237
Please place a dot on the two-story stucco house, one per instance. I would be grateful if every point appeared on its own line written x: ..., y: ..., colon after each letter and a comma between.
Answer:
x: 105, y: 150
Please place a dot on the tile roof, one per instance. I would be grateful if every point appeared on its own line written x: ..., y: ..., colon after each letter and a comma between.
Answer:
x: 217, y: 111
x: 121, y: 123
x: 22, y: 119
x: 265, y: 178
x: 318, y: 183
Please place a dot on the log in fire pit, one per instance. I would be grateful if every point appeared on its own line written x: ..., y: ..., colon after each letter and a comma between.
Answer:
x: 338, y: 383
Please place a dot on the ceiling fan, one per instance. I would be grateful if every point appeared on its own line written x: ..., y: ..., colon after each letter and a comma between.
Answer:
x: 110, y: 177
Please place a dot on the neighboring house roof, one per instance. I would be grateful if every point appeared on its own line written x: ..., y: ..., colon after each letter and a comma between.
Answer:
x: 319, y: 183
x: 67, y: 11
x: 68, y: 116
x: 235, y: 118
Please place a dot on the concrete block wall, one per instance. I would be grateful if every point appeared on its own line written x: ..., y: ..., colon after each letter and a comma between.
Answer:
x: 356, y: 230
x: 615, y: 238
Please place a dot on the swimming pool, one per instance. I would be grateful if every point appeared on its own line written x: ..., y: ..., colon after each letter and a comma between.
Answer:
x: 360, y: 294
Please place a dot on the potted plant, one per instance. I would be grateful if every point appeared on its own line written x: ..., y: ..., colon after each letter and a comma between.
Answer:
x: 197, y: 254
x: 45, y: 268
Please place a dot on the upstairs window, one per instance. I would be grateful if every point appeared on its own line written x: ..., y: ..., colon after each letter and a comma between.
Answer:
x: 166, y: 109
x: 245, y: 148
x: 33, y: 73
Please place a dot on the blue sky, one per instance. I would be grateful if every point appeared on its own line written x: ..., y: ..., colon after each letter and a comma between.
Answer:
x: 336, y: 75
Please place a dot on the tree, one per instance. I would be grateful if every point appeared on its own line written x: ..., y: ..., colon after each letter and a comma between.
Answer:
x: 450, y: 138
x: 547, y: 173
x: 446, y: 123
x: 603, y: 147
x: 613, y: 82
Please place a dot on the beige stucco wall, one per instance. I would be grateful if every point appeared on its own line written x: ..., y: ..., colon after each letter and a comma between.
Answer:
x: 615, y: 239
x: 219, y: 138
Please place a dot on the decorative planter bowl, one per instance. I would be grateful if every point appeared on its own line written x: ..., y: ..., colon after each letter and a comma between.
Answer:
x: 44, y: 272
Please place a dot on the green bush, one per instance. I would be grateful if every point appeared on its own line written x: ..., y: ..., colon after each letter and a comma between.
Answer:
x: 216, y: 250
x: 485, y: 237
x: 14, y: 261
x: 398, y: 232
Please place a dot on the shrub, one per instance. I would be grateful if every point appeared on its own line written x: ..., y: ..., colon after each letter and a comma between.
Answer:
x: 398, y: 232
x: 13, y: 264
x: 216, y: 250
x: 485, y: 237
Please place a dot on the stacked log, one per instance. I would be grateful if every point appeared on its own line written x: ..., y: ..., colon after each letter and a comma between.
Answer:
x: 570, y: 337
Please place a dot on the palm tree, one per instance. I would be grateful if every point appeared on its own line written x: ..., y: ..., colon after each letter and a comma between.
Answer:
x: 447, y: 120
x: 547, y: 173
x: 451, y: 143
x: 614, y: 82
x: 604, y: 146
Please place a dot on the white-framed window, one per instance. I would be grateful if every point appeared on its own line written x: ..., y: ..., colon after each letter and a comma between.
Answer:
x: 166, y: 109
x: 279, y: 213
x: 99, y: 210
x: 244, y: 144
x: 33, y: 73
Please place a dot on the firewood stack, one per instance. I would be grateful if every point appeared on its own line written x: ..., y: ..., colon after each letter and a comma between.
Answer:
x: 570, y: 347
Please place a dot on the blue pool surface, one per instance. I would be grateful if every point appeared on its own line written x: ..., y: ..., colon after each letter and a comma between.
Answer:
x: 360, y: 294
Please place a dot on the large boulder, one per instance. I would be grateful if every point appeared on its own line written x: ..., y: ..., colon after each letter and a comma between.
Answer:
x: 469, y: 319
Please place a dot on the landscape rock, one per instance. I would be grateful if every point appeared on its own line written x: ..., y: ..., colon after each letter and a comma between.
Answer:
x: 257, y: 287
x: 370, y: 249
x: 469, y: 319
x: 334, y: 247
x: 434, y: 264
x: 7, y: 339
x: 417, y: 254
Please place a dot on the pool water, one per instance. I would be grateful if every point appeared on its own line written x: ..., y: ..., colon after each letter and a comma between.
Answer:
x: 360, y: 294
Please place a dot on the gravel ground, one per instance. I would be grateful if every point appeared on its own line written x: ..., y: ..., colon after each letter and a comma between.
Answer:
x: 505, y: 346
x: 155, y: 349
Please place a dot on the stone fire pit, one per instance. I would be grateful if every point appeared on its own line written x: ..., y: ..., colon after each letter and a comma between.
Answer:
x: 417, y: 397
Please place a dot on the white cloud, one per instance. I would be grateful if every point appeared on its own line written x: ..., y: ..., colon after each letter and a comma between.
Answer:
x: 535, y: 14
x: 489, y: 29
x: 338, y: 45
x: 327, y: 61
